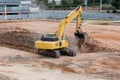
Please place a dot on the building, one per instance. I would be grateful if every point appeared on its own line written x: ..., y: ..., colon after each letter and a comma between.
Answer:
x: 14, y: 9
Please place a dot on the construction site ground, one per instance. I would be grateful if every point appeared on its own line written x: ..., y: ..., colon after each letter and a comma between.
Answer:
x: 97, y: 59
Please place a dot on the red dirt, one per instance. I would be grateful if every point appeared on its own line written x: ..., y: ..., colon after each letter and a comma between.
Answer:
x: 100, y: 55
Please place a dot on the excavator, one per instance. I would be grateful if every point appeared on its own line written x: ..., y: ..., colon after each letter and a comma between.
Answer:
x: 54, y: 44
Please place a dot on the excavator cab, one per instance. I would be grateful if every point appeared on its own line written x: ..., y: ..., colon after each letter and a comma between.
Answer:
x: 49, y: 37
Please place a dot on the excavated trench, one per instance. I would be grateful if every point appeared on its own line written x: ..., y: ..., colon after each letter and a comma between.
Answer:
x: 23, y: 39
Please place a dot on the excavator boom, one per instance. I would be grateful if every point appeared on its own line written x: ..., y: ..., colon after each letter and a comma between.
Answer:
x: 75, y: 13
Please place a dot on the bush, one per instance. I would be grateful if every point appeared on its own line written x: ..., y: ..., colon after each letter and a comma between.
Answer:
x: 114, y: 11
x: 108, y: 11
x: 107, y: 7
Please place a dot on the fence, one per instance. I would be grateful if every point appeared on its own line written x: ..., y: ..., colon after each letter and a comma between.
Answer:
x: 59, y: 14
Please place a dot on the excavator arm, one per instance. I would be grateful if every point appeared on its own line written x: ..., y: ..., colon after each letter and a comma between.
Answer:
x: 75, y: 13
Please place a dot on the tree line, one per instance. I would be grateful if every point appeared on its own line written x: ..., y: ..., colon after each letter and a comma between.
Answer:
x: 74, y: 3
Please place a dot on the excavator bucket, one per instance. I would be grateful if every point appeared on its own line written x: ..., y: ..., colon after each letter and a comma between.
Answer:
x: 82, y: 37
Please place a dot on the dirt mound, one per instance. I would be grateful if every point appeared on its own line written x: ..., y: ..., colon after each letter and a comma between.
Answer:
x: 19, y: 39
x: 90, y: 46
x: 23, y: 39
x: 95, y: 46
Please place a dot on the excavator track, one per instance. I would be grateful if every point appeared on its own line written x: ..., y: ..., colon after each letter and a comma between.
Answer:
x: 54, y: 53
x: 68, y: 51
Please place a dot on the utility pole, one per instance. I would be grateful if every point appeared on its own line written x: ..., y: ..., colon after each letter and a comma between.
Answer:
x: 53, y: 5
x: 53, y: 8
x: 93, y: 3
x: 86, y: 5
x: 19, y: 11
x: 5, y: 11
x: 100, y: 5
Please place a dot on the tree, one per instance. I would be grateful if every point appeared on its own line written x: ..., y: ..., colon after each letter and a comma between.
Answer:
x: 67, y: 2
x: 39, y: 2
x: 116, y: 4
x: 52, y: 4
x: 42, y: 3
x: 78, y: 2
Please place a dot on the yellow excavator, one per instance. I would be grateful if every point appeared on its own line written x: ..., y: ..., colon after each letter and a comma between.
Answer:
x: 55, y: 44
